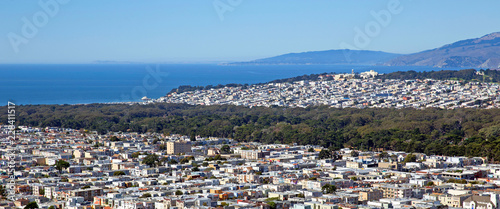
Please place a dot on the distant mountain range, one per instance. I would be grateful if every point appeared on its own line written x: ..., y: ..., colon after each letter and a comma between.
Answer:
x: 343, y: 56
x: 481, y: 52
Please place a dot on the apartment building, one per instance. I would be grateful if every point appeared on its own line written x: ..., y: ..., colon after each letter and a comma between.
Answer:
x: 395, y: 191
x: 178, y: 147
x: 370, y: 195
x: 453, y: 200
x: 253, y: 154
x: 87, y: 194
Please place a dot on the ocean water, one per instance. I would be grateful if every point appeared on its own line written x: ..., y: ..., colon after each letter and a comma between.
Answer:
x: 102, y: 83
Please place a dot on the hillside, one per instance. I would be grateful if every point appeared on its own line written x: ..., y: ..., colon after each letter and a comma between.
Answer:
x: 325, y: 57
x: 481, y: 52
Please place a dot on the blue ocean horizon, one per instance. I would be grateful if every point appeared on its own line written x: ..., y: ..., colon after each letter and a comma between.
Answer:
x: 33, y: 84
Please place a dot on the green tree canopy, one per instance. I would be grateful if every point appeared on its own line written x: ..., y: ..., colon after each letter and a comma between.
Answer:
x: 31, y: 205
x: 410, y: 158
x: 145, y: 195
x: 135, y: 154
x: 3, y: 191
x: 184, y: 160
x: 114, y: 139
x: 272, y: 205
x: 325, y: 154
x: 61, y: 164
x: 329, y: 189
x: 383, y: 155
x: 451, y: 132
x: 118, y: 173
x: 225, y: 149
x: 151, y: 160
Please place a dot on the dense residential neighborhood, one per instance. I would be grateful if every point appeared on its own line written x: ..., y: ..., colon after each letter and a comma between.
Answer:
x: 76, y: 169
x: 362, y: 90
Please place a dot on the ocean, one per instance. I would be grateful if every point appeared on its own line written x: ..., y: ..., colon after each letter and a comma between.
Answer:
x: 105, y: 83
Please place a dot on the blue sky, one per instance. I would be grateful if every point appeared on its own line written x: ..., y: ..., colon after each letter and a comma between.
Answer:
x: 84, y: 31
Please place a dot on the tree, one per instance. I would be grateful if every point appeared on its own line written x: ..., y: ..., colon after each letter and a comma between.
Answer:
x: 145, y: 195
x: 52, y: 207
x: 178, y: 192
x: 383, y: 155
x: 31, y: 205
x: 135, y: 154
x: 184, y: 161
x: 172, y: 162
x: 3, y: 191
x: 272, y: 205
x: 61, y: 164
x: 204, y: 164
x: 328, y: 189
x: 354, y: 154
x: 118, y: 173
x: 151, y: 160
x: 114, y: 139
x: 410, y: 158
x: 310, y: 149
x: 164, y: 160
x: 195, y: 169
x: 325, y: 154
x: 225, y: 149
x: 192, y: 138
x: 430, y: 183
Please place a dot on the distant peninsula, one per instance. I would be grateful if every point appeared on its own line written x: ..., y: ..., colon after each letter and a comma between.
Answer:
x: 483, y: 52
x: 329, y: 57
